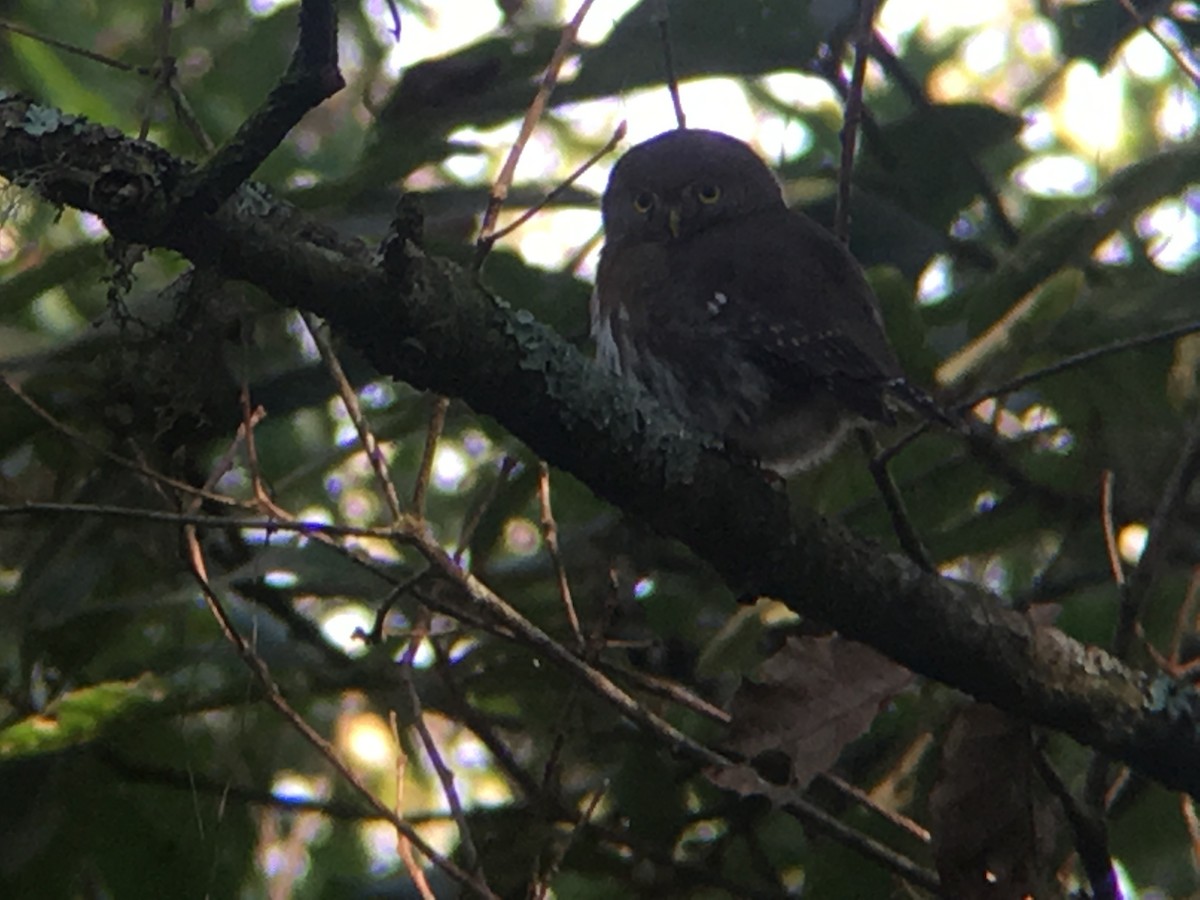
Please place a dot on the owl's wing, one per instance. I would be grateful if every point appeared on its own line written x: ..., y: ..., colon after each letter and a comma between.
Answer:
x: 797, y: 301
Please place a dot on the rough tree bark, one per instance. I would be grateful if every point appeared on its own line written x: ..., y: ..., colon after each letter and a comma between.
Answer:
x: 426, y: 321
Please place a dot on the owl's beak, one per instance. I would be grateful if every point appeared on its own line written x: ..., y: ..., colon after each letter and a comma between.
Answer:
x: 673, y: 214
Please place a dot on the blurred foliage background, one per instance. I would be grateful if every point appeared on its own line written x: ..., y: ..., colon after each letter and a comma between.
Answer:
x: 1026, y: 189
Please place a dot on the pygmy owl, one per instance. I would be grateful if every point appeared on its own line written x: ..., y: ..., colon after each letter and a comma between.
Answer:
x: 750, y: 321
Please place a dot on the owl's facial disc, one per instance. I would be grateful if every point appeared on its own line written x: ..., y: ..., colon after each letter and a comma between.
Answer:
x: 676, y: 211
x: 681, y: 183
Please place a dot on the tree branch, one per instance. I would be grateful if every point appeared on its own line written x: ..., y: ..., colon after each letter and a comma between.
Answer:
x: 426, y: 322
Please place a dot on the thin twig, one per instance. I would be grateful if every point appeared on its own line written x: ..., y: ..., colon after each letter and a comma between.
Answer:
x: 196, y: 782
x: 909, y: 540
x: 662, y: 18
x: 1087, y: 829
x: 1063, y: 365
x: 190, y: 120
x: 394, y: 10
x: 375, y: 635
x: 366, y: 436
x: 915, y: 91
x: 852, y: 117
x: 507, y: 465
x: 444, y: 774
x: 261, y: 495
x: 552, y: 770
x: 283, y: 523
x: 550, y: 536
x: 618, y: 136
x: 1186, y: 65
x: 1192, y: 820
x: 815, y: 817
x: 456, y: 704
x: 1110, y: 530
x: 433, y: 434
x: 575, y: 262
x: 1076, y: 360
x: 1186, y: 469
x: 228, y: 459
x: 131, y: 465
x: 403, y: 845
x: 78, y: 51
x: 504, y: 180
x: 1184, y: 623
x: 275, y: 698
x: 667, y: 689
x: 486, y: 600
x: 863, y: 799
x: 560, y: 851
x: 165, y: 73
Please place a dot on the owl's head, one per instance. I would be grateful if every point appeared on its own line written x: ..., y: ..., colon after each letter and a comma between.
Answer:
x: 682, y: 182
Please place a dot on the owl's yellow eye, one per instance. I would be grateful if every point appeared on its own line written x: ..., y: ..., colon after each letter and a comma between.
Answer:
x: 708, y: 193
x: 643, y: 202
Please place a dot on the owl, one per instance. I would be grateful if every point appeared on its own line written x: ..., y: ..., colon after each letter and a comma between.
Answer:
x: 747, y: 319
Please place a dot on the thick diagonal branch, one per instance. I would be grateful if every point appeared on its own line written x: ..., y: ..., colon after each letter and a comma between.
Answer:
x: 426, y: 322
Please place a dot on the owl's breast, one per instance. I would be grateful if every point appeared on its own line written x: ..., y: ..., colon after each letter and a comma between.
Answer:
x: 667, y: 316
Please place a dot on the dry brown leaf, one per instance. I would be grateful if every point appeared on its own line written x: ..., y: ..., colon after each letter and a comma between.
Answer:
x: 803, y: 706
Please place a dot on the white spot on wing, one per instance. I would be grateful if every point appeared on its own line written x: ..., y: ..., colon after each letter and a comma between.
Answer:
x: 717, y: 302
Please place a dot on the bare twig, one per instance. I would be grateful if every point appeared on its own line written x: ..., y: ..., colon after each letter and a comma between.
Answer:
x: 1192, y: 820
x: 1184, y: 622
x: 863, y: 799
x: 507, y: 465
x: 1110, y: 530
x: 458, y: 705
x: 225, y: 463
x: 275, y: 698
x: 618, y: 136
x: 1135, y: 589
x: 194, y: 781
x: 433, y: 434
x: 78, y: 51
x: 499, y: 610
x: 188, y: 117
x: 662, y: 18
x: 915, y: 91
x: 164, y: 75
x: 560, y: 851
x: 403, y: 845
x: 1142, y: 579
x: 906, y: 534
x: 444, y: 774
x: 667, y: 689
x: 1186, y: 64
x: 261, y: 494
x: 375, y: 636
x: 366, y: 436
x: 550, y: 536
x: 1079, y: 359
x: 284, y: 523
x: 504, y: 180
x: 1088, y: 830
x: 132, y: 465
x: 392, y: 8
x: 852, y: 117
x: 814, y: 817
x: 1074, y: 361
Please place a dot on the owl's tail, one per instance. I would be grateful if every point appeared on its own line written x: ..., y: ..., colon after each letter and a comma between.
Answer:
x: 922, y: 403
